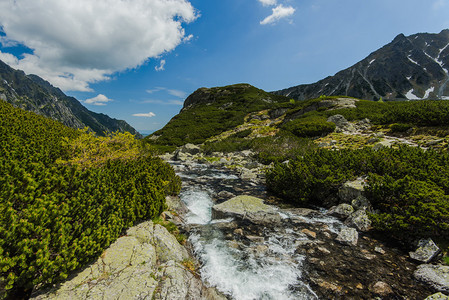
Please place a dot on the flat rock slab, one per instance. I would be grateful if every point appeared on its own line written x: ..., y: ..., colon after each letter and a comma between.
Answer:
x: 147, y: 263
x: 246, y: 208
x: 348, y: 236
x: 435, y: 275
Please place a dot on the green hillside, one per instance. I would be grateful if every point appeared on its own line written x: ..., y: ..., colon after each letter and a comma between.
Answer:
x: 64, y: 198
x: 406, y: 185
x: 209, y: 112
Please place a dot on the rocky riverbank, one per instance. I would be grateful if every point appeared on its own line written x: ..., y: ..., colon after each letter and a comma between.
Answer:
x: 146, y: 263
x: 342, y: 259
x: 248, y: 245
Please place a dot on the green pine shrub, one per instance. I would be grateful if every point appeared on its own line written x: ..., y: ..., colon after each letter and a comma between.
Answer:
x: 400, y: 127
x: 408, y: 186
x: 409, y: 207
x: 309, y: 126
x: 61, y: 208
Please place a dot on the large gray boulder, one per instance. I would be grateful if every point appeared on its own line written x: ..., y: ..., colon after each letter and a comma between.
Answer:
x: 361, y: 202
x: 436, y: 276
x: 360, y: 220
x: 247, y: 208
x: 382, y: 144
x: 190, y: 148
x: 427, y: 250
x: 341, y: 123
x: 341, y: 211
x: 146, y: 263
x: 351, y: 190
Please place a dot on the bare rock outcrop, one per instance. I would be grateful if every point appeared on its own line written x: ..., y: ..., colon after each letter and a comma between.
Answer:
x: 146, y: 263
x: 247, y: 208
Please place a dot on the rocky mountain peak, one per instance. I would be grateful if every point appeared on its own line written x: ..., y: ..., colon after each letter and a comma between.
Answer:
x: 211, y: 95
x: 31, y: 92
x: 410, y: 67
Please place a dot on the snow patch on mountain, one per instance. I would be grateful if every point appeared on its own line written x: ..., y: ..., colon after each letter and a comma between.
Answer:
x: 410, y: 59
x: 442, y: 49
x: 411, y: 96
x: 428, y: 91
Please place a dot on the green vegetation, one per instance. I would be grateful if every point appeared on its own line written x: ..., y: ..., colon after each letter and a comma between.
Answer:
x: 214, y: 111
x: 65, y: 196
x: 280, y: 147
x: 400, y: 127
x: 310, y: 126
x: 409, y: 186
x: 418, y: 113
x: 172, y: 228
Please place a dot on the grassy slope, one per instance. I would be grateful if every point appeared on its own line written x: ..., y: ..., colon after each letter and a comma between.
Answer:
x: 216, y: 110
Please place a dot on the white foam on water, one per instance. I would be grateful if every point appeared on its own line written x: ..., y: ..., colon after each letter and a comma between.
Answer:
x: 228, y: 220
x: 244, y: 277
x: 199, y: 204
x: 220, y: 176
x: 261, y: 270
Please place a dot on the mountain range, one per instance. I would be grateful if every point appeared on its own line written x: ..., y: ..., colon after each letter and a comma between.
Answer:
x: 32, y: 93
x: 410, y: 67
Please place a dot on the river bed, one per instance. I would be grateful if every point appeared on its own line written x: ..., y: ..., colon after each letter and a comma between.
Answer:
x: 296, y: 259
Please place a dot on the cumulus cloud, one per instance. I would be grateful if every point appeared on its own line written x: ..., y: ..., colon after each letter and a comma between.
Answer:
x: 99, y: 100
x: 268, y: 2
x: 161, y: 67
x: 145, y: 115
x: 75, y: 43
x: 279, y: 12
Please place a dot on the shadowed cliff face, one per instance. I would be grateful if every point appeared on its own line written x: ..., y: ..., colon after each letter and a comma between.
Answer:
x: 30, y: 92
x: 413, y: 67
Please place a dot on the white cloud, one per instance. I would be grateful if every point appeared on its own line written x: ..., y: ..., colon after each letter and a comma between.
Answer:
x: 176, y: 93
x: 279, y: 12
x: 155, y: 90
x: 268, y: 2
x: 145, y: 115
x: 188, y: 38
x: 76, y: 43
x: 161, y: 67
x: 164, y: 102
x: 98, y: 100
x: 439, y: 4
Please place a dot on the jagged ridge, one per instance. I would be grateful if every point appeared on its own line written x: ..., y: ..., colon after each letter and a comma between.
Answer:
x: 413, y: 67
x: 32, y: 93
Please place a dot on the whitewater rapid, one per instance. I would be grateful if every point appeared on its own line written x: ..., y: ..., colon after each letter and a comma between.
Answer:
x: 264, y: 268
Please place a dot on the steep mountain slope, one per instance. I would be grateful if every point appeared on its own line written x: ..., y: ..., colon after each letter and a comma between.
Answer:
x: 30, y: 92
x: 211, y: 111
x: 413, y: 67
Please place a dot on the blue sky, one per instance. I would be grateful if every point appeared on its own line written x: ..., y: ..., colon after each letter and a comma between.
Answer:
x: 137, y: 60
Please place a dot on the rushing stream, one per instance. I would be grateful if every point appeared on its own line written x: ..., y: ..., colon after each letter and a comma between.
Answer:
x: 284, y: 259
x: 263, y: 267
